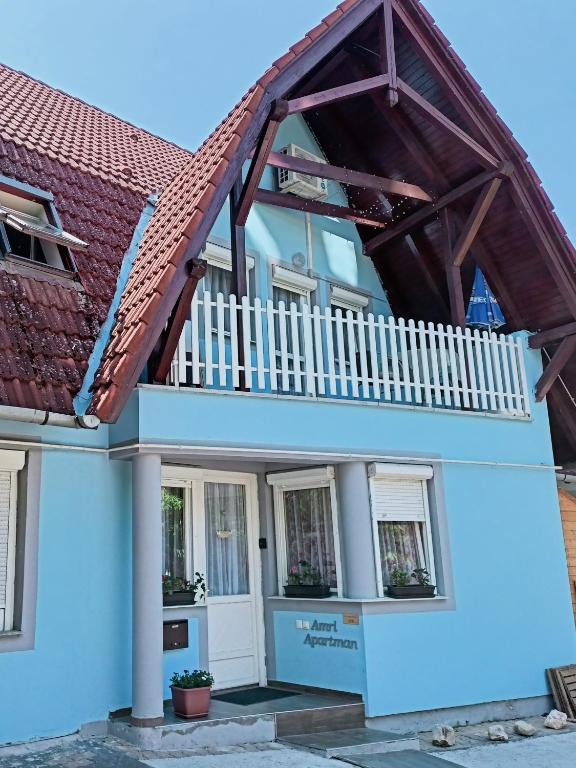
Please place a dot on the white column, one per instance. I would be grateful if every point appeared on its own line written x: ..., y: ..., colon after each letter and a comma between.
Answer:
x: 356, y: 539
x: 147, y: 642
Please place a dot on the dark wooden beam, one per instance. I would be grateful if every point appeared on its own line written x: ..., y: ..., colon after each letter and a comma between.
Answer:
x: 453, y: 274
x: 171, y: 336
x: 258, y: 164
x: 339, y: 93
x: 346, y: 176
x: 552, y: 335
x: 424, y: 214
x: 554, y: 368
x: 418, y: 253
x: 475, y: 220
x: 314, y: 206
x: 439, y: 119
x: 238, y: 243
x: 388, y: 52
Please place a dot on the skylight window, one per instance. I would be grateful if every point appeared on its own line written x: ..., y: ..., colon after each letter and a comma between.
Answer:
x: 30, y: 229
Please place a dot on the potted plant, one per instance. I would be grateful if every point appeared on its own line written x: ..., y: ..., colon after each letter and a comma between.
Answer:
x: 178, y: 591
x: 191, y: 693
x: 305, y: 581
x: 405, y: 585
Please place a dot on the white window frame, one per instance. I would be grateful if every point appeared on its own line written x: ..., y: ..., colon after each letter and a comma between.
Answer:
x: 11, y: 462
x: 302, y: 480
x: 346, y: 299
x: 422, y: 474
x: 219, y: 256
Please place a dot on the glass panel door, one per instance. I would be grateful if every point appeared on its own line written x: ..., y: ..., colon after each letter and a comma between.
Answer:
x: 226, y: 535
x: 173, y: 532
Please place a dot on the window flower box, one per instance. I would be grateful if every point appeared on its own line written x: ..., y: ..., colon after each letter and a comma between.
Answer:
x: 178, y: 591
x: 307, y: 590
x: 407, y: 591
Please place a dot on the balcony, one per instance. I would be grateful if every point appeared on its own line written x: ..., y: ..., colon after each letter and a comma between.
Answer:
x: 328, y: 353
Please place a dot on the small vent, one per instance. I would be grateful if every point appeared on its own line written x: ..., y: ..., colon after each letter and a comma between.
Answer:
x: 301, y: 184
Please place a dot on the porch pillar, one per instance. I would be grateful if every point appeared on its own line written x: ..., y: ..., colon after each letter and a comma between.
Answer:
x: 356, y: 540
x: 147, y: 642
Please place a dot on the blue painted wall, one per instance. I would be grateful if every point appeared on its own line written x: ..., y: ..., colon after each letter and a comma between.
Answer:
x: 185, y: 658
x: 80, y: 667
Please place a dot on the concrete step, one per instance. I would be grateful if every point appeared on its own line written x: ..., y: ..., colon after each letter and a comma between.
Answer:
x: 352, y: 741
x: 330, y: 717
x: 403, y: 759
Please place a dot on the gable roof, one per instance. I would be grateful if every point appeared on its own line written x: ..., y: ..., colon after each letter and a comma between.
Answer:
x: 100, y: 170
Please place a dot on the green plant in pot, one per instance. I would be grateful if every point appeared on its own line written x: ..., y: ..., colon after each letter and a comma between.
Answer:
x: 304, y: 580
x: 191, y: 693
x: 179, y: 591
x: 406, y: 584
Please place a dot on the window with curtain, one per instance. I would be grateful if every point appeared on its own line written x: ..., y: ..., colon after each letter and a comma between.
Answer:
x: 309, y: 531
x: 400, y: 511
x: 219, y: 280
x: 226, y: 539
x: 356, y: 330
x: 173, y: 533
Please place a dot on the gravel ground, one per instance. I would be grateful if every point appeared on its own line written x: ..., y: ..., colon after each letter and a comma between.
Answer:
x: 546, y: 752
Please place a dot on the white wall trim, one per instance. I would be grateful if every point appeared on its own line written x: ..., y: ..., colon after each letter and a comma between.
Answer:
x: 305, y: 478
x: 12, y: 461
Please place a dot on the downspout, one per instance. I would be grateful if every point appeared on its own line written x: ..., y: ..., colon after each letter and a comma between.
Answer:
x: 84, y: 397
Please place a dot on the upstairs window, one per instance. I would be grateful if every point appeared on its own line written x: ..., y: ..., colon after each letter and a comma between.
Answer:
x: 30, y: 228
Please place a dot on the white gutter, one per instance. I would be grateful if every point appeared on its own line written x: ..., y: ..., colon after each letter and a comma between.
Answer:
x: 36, y: 416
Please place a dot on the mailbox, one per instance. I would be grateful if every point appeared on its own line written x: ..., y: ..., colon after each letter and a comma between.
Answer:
x: 175, y: 635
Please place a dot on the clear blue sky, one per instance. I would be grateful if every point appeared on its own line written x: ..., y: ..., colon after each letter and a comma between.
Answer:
x: 176, y: 67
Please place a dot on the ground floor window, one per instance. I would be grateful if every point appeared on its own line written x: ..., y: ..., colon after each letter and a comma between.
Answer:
x: 401, y: 523
x: 10, y: 464
x: 306, y: 526
x: 174, y: 532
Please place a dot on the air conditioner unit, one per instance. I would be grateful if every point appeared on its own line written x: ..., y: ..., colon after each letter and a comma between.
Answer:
x: 311, y: 187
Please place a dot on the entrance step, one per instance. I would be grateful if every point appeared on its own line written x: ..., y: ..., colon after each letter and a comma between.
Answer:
x: 330, y: 717
x: 352, y: 742
x: 404, y: 759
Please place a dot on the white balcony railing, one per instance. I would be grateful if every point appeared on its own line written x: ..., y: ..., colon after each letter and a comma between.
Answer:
x: 328, y: 353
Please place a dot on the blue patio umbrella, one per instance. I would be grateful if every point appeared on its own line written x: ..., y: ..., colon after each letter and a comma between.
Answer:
x: 483, y: 310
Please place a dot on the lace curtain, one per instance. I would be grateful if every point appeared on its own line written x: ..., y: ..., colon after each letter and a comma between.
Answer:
x: 226, y: 539
x: 309, y: 532
x: 401, y: 546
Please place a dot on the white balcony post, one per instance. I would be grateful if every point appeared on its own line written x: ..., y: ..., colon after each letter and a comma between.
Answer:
x: 355, y: 524
x: 147, y: 642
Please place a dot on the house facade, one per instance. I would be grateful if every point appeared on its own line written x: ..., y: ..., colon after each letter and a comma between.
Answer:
x: 250, y: 366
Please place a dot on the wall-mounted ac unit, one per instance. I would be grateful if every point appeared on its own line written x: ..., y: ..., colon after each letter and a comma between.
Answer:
x: 301, y: 184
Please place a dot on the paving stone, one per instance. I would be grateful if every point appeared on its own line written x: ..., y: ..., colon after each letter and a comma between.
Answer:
x: 78, y: 753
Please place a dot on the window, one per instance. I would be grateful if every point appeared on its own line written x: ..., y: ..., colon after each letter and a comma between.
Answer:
x: 218, y: 278
x: 306, y: 524
x: 10, y: 463
x: 401, y: 520
x: 30, y: 228
x: 174, y: 532
x: 347, y: 301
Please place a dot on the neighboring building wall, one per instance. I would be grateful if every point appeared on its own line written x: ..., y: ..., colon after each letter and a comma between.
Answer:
x: 78, y: 667
x: 568, y: 512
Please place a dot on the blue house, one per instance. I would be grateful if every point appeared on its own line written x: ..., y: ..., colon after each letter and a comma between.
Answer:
x: 249, y: 368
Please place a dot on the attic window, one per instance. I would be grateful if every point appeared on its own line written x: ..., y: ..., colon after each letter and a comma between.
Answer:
x: 30, y: 228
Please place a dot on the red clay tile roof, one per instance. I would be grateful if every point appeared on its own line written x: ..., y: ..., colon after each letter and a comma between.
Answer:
x: 59, y: 144
x: 178, y: 215
x: 42, y: 119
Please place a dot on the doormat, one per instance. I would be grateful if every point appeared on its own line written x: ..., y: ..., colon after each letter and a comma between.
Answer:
x: 252, y: 696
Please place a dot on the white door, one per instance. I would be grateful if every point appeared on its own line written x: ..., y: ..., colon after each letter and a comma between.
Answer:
x: 223, y: 531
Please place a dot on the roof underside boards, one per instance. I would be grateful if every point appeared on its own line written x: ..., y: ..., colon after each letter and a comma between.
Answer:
x: 99, y: 170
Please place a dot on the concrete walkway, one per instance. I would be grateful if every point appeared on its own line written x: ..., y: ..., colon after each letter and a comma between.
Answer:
x: 545, y: 752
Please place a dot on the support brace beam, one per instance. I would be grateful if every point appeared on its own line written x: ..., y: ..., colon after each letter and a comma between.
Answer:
x: 475, y: 221
x: 263, y: 149
x: 313, y: 206
x: 339, y: 93
x: 453, y: 274
x: 423, y: 215
x: 543, y: 338
x: 554, y: 368
x: 388, y: 52
x: 346, y: 176
x: 420, y: 104
x: 171, y: 336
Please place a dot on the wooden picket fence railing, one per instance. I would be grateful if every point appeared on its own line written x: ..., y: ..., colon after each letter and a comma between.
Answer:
x: 330, y: 353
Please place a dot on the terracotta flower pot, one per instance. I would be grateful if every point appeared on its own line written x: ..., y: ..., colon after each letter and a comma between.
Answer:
x: 190, y: 702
